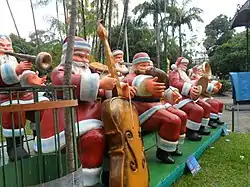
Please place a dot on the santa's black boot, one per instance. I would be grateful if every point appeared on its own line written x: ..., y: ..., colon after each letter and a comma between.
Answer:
x: 193, y: 135
x: 164, y: 156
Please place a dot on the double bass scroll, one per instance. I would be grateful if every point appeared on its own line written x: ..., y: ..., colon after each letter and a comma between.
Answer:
x: 128, y: 166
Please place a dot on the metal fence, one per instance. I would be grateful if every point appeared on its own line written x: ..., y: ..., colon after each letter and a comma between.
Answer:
x: 24, y: 125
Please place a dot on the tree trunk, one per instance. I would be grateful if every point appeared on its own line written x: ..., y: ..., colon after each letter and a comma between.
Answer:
x: 126, y: 28
x: 67, y: 81
x: 65, y: 16
x: 110, y: 18
x: 83, y: 19
x: 57, y: 15
x: 180, y: 41
x: 157, y: 32
x: 34, y: 22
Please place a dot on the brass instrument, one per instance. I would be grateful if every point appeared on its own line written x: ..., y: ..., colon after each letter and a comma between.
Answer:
x: 205, y: 70
x: 43, y: 60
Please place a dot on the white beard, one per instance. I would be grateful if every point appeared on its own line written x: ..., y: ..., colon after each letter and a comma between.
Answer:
x: 78, y: 68
x: 184, y: 76
x: 8, y: 59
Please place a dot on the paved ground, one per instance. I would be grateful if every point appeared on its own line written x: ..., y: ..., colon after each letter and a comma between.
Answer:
x: 243, y: 117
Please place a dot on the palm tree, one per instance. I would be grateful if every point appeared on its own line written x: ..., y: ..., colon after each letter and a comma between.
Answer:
x: 181, y: 16
x: 154, y: 8
x: 67, y: 81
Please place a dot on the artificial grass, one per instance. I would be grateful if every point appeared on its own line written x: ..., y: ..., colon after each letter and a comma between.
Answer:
x: 162, y: 175
x: 224, y: 164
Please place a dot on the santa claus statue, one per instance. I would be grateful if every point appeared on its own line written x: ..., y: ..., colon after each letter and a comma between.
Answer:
x: 14, y: 74
x: 167, y: 121
x: 90, y: 90
x: 213, y: 87
x: 199, y: 111
x: 122, y: 70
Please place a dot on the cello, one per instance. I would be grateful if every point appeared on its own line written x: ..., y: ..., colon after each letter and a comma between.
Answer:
x: 128, y: 165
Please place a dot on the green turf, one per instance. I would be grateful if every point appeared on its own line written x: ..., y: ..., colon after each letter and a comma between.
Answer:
x: 225, y: 164
x: 162, y: 175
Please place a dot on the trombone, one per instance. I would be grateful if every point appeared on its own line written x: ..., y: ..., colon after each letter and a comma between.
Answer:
x: 43, y: 61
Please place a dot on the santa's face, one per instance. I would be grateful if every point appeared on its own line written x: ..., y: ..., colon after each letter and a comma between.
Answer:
x: 118, y: 58
x: 142, y: 66
x: 5, y: 45
x: 183, y: 66
x: 81, y: 56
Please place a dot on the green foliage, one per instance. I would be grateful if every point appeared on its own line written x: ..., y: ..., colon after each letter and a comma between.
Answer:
x: 227, y: 164
x: 218, y: 31
x: 229, y: 57
x: 140, y: 38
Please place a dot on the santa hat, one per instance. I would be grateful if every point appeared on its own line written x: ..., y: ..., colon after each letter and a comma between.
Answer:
x: 5, y: 37
x: 141, y: 57
x: 179, y: 61
x: 117, y: 52
x: 79, y: 44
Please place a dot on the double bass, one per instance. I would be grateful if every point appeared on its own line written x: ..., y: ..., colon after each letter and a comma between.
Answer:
x: 128, y: 165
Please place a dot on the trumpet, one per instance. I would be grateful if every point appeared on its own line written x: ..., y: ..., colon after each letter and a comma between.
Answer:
x: 43, y: 60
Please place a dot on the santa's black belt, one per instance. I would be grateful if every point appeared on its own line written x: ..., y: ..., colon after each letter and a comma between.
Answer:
x: 145, y: 99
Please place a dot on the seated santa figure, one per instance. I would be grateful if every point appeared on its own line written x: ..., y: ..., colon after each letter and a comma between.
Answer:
x: 213, y: 87
x: 197, y: 110
x: 167, y: 121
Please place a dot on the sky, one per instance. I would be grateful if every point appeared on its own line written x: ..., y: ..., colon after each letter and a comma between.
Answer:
x: 23, y: 15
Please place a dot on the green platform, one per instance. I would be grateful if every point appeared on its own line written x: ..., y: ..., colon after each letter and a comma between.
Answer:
x: 163, y: 175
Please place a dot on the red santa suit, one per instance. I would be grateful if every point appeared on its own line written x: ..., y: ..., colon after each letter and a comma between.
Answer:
x: 198, y: 112
x: 155, y: 116
x: 216, y: 105
x: 91, y: 142
x: 9, y: 78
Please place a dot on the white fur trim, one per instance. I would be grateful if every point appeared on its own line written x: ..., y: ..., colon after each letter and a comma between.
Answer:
x: 139, y: 83
x: 193, y: 125
x: 184, y: 60
x: 181, y: 139
x: 17, y: 132
x: 117, y: 52
x: 220, y: 115
x: 23, y: 78
x: 182, y: 103
x: 214, y: 82
x: 186, y: 88
x: 89, y: 86
x: 166, y: 145
x: 148, y: 113
x: 108, y: 94
x: 48, y: 144
x: 210, y: 88
x: 8, y: 74
x: 205, y: 99
x: 168, y: 94
x: 213, y: 116
x: 40, y: 98
x: 204, y: 122
x: 173, y: 67
x: 91, y: 176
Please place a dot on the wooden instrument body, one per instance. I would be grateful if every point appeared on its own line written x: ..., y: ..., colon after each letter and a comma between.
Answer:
x: 128, y: 166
